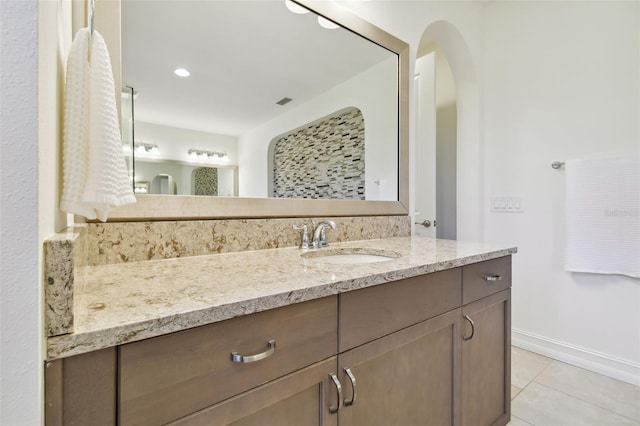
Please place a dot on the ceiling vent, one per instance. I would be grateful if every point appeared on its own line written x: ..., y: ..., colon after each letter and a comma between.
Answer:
x: 284, y: 101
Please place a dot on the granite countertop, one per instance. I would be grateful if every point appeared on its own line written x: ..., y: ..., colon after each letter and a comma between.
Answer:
x: 126, y: 302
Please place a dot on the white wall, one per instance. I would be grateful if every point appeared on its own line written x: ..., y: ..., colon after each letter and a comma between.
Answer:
x: 562, y: 82
x: 175, y: 142
x: 20, y: 302
x: 182, y: 174
x: 457, y: 27
x: 379, y: 109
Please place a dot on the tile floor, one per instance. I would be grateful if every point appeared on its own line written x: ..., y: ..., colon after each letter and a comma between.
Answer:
x: 545, y: 392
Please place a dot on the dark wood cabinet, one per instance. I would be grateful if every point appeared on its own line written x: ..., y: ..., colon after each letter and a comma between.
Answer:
x: 168, y: 377
x: 81, y: 390
x: 300, y: 398
x: 428, y: 350
x: 410, y: 377
x: 486, y: 361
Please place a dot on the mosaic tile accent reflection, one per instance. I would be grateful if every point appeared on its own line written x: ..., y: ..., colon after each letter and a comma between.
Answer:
x: 322, y: 160
x: 205, y: 181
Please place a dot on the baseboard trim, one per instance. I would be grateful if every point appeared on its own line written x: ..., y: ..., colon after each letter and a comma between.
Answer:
x: 589, y: 360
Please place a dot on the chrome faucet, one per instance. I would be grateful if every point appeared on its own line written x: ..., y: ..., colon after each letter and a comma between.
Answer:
x: 305, y: 235
x: 320, y: 234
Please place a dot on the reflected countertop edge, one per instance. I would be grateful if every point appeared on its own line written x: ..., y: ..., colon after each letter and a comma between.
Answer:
x: 126, y: 302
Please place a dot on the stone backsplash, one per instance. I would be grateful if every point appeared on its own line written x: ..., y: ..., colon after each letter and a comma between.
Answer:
x: 136, y: 241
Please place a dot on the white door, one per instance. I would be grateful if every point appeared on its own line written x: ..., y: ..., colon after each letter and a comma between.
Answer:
x: 425, y: 166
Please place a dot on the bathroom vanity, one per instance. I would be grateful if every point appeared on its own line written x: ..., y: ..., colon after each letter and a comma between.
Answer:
x: 279, y: 336
x: 420, y: 338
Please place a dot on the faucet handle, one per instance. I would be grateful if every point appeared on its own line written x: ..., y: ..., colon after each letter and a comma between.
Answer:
x: 320, y: 233
x: 305, y: 235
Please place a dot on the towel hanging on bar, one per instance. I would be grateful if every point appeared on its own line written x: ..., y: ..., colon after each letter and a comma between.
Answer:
x: 603, y: 217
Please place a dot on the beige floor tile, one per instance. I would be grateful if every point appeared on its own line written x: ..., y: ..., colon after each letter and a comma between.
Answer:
x: 528, y: 354
x: 543, y: 406
x: 611, y: 394
x: 515, y: 391
x: 517, y: 421
x: 525, y: 366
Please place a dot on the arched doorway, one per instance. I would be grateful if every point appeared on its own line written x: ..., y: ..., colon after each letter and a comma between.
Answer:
x: 459, y: 216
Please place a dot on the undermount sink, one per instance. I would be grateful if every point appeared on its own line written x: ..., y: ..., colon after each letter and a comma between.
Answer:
x: 350, y: 256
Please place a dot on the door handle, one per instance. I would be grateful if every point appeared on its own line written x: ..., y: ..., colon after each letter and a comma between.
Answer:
x: 244, y: 359
x: 492, y: 277
x: 352, y: 379
x: 473, y: 328
x: 426, y: 223
x: 336, y: 383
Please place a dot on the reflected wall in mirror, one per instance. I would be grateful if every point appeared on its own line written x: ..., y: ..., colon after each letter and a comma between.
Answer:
x: 324, y: 159
x: 245, y: 59
x: 189, y: 179
x: 163, y: 184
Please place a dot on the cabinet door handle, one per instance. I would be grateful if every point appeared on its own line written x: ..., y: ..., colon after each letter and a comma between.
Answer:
x: 352, y: 379
x: 473, y: 328
x: 244, y: 359
x: 336, y: 382
x: 492, y: 277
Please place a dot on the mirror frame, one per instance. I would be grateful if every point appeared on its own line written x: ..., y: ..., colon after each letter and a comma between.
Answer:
x: 164, y: 207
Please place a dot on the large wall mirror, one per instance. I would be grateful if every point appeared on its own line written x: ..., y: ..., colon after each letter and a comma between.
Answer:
x: 289, y: 109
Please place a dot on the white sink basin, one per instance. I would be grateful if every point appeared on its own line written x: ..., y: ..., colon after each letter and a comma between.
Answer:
x: 350, y: 256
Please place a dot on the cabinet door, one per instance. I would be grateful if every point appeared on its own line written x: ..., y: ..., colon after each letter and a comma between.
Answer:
x: 81, y: 390
x: 302, y: 398
x: 486, y: 361
x: 410, y: 377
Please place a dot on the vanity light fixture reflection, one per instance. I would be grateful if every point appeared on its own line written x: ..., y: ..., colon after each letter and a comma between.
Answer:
x: 148, y: 148
x: 207, y: 155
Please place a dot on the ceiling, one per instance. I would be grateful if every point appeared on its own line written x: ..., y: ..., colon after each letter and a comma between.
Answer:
x: 243, y: 56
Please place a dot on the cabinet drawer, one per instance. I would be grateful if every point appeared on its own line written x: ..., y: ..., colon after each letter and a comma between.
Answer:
x: 373, y: 312
x: 482, y: 279
x: 167, y: 377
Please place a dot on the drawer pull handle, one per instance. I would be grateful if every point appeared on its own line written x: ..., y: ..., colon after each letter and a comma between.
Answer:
x: 271, y: 348
x: 473, y: 328
x: 338, y: 386
x: 494, y: 277
x: 352, y: 378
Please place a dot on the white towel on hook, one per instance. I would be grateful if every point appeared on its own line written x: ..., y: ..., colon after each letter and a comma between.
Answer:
x: 95, y: 177
x: 603, y: 216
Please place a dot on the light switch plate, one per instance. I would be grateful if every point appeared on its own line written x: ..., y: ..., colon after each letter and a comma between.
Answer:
x: 507, y: 204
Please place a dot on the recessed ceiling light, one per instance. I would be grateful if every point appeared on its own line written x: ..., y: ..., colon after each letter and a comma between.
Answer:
x: 181, y: 72
x: 295, y: 7
x: 325, y: 23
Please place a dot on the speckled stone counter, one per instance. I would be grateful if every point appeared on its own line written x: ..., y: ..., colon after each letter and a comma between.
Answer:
x: 65, y: 254
x: 126, y: 302
x: 95, y: 244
